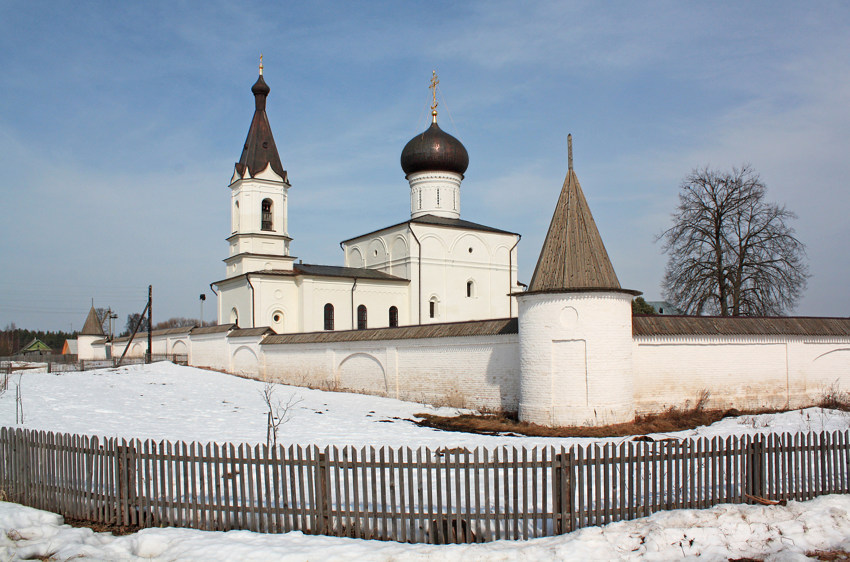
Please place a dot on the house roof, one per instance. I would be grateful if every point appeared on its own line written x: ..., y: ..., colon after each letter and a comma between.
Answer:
x: 92, y: 326
x: 433, y: 220
x: 447, y: 330
x: 70, y: 347
x: 35, y: 345
x: 657, y: 325
x: 573, y: 256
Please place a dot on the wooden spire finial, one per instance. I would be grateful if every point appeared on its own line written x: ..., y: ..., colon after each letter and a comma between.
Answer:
x: 570, y: 151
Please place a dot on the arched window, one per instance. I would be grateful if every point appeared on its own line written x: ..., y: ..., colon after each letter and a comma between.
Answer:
x: 361, y: 317
x: 266, y: 215
x: 432, y: 307
x: 235, y: 216
x: 234, y: 316
x: 393, y: 317
x: 470, y: 289
x: 329, y: 316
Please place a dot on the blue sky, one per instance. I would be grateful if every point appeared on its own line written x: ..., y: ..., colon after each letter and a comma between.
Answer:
x: 120, y: 124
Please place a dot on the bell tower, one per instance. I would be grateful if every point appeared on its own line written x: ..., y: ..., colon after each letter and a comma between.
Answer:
x: 259, y: 192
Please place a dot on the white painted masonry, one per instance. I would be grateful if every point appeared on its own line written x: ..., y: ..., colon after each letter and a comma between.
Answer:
x: 449, y: 286
x: 576, y: 358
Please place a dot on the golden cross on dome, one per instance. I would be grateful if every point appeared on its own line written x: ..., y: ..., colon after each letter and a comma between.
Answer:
x: 433, y: 88
x: 261, y: 64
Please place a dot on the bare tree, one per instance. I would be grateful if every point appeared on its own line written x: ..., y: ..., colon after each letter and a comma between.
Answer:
x: 729, y: 251
x: 279, y: 412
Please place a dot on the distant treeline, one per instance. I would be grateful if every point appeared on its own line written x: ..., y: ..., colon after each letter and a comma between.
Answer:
x: 12, y: 339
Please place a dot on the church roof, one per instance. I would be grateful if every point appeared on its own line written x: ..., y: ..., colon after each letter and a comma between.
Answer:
x: 434, y: 220
x: 260, y: 150
x: 434, y: 150
x: 662, y: 325
x: 336, y: 271
x: 573, y: 256
x: 92, y: 326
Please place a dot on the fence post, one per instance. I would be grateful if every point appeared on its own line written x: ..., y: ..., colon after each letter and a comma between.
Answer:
x: 562, y: 470
x: 322, y: 487
x: 126, y: 485
x: 755, y: 473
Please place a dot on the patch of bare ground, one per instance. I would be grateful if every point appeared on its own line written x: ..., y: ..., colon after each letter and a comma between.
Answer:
x: 829, y: 555
x: 116, y: 530
x: 671, y: 420
x: 493, y: 424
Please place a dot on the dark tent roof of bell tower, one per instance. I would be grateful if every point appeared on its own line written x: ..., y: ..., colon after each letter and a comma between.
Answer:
x: 260, y: 150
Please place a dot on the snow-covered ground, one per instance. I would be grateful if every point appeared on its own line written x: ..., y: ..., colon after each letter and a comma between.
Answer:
x: 721, y: 533
x: 164, y: 401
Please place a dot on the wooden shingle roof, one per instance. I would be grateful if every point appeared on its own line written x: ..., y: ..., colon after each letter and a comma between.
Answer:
x: 573, y: 255
x: 739, y: 326
x: 92, y: 326
x: 448, y: 330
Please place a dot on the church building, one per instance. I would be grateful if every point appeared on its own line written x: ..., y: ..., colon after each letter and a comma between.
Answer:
x: 434, y: 267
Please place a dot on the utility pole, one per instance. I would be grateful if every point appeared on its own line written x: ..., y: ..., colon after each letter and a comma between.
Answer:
x: 149, y: 357
x: 203, y: 297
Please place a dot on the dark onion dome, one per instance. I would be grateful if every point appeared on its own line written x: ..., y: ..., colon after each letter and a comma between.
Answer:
x: 434, y: 150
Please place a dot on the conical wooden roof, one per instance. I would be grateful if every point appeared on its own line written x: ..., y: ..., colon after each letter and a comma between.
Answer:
x: 573, y: 255
x: 92, y: 326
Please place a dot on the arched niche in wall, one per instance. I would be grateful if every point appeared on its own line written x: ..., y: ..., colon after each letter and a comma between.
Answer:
x: 362, y: 372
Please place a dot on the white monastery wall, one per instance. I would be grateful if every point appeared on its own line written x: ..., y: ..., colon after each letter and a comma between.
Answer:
x: 740, y: 372
x: 245, y: 356
x: 210, y: 351
x: 476, y: 371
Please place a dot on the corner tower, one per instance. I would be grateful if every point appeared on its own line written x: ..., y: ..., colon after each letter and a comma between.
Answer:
x: 259, y: 188
x: 434, y: 163
x: 575, y: 324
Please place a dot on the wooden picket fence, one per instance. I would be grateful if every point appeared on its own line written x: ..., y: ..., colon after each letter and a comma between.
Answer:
x: 409, y: 495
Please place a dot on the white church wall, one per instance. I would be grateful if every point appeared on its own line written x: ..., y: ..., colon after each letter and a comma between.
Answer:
x: 741, y: 372
x: 276, y: 302
x: 445, y: 268
x: 234, y: 303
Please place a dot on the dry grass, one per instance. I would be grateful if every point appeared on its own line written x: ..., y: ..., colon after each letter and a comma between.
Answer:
x: 492, y: 424
x: 834, y: 398
x: 671, y: 420
x: 116, y: 530
x: 829, y: 555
